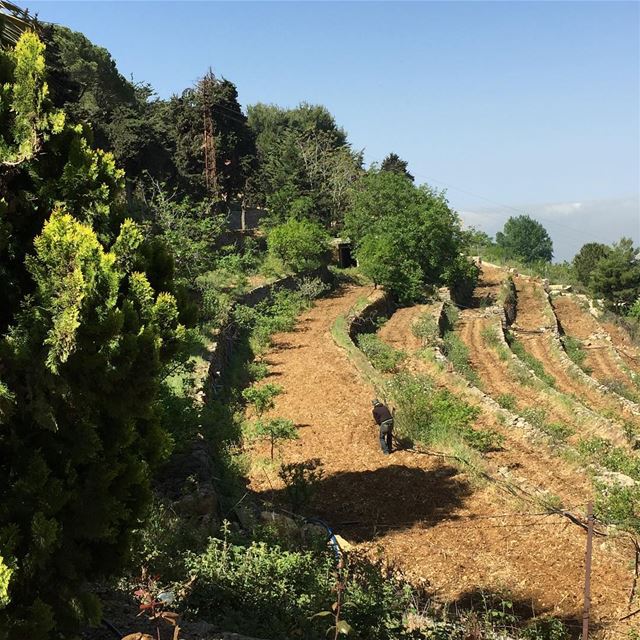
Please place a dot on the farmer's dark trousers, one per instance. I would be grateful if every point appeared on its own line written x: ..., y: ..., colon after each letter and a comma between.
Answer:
x: 386, y: 436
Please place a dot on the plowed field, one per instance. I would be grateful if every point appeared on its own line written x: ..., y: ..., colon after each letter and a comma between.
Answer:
x: 441, y: 528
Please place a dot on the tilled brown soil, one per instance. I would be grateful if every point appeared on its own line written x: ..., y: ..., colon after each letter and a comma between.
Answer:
x: 628, y: 350
x: 580, y: 324
x: 440, y: 528
x: 519, y: 456
x: 530, y: 319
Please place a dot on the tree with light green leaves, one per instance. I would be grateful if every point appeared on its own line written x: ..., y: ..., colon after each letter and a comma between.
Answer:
x: 84, y: 340
x: 301, y: 245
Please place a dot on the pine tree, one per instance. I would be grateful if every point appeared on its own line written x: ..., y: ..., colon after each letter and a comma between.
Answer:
x: 83, y: 338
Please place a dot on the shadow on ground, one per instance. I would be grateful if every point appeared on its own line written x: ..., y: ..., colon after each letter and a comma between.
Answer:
x: 367, y: 503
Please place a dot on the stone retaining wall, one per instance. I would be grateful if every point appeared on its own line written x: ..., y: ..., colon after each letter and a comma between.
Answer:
x: 219, y: 355
x: 576, y: 371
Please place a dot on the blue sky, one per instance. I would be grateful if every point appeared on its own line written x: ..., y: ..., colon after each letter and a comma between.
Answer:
x: 532, y: 105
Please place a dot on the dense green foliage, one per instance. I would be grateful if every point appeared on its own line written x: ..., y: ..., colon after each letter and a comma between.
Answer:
x: 616, y: 276
x: 395, y: 164
x: 525, y: 238
x: 301, y: 245
x: 84, y: 338
x: 406, y: 237
x: 150, y: 138
x: 306, y: 166
x: 284, y: 589
x: 585, y: 261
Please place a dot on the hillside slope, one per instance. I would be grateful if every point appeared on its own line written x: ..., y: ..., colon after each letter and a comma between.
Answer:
x: 444, y: 530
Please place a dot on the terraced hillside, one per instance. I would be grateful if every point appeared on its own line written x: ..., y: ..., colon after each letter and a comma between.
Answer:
x: 611, y: 366
x: 458, y: 534
x: 529, y: 383
x: 536, y: 328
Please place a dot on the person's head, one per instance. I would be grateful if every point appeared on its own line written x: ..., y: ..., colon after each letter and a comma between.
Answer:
x: 375, y: 402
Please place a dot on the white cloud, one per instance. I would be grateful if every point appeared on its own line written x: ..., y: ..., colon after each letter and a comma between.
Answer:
x: 570, y: 224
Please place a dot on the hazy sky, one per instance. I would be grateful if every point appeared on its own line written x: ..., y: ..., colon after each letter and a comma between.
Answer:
x: 532, y: 105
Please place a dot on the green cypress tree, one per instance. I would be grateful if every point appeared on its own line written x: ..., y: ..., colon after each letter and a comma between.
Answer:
x: 83, y: 338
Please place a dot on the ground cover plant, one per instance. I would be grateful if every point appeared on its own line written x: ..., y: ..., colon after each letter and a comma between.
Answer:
x: 436, y: 417
x: 575, y: 351
x: 531, y: 361
x: 381, y: 355
x: 458, y: 354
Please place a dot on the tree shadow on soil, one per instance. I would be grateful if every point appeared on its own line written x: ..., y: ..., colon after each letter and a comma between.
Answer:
x: 366, y: 504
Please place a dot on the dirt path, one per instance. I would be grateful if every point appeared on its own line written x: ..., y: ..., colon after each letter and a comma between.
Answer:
x: 530, y: 319
x: 454, y: 536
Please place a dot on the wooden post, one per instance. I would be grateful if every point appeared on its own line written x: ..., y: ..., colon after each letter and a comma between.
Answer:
x: 587, y: 573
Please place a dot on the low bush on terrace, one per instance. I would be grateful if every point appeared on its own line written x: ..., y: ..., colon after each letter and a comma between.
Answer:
x: 436, y: 416
x: 301, y: 245
x: 277, y: 314
x: 284, y: 589
x: 575, y: 351
x: 381, y: 355
x: 615, y: 503
x: 426, y: 328
x: 458, y: 354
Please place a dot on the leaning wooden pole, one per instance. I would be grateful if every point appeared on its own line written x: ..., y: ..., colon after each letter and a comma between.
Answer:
x: 587, y: 574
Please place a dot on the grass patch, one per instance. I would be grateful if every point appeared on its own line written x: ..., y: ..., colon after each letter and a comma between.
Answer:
x: 507, y: 401
x: 531, y: 361
x: 537, y: 417
x: 621, y: 389
x: 436, y: 417
x: 379, y: 353
x: 458, y: 354
x: 618, y: 505
x: 574, y: 349
x: 557, y: 431
x: 490, y: 336
x: 607, y: 455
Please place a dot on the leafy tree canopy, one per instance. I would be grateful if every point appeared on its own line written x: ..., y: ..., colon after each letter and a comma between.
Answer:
x: 233, y: 139
x: 392, y: 222
x: 526, y: 239
x: 306, y: 167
